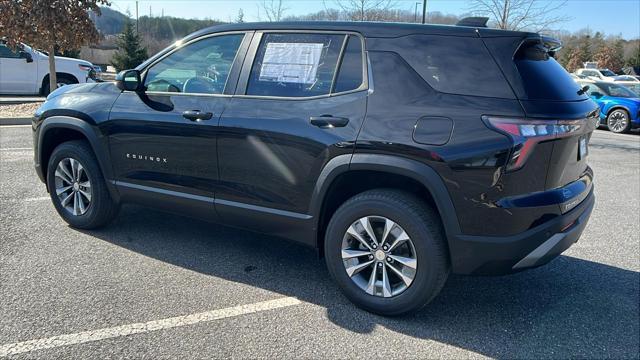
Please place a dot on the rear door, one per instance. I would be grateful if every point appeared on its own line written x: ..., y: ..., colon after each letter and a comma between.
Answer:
x: 163, y: 140
x: 300, y: 102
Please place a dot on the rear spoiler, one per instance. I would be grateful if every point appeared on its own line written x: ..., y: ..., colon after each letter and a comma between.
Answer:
x: 539, y: 43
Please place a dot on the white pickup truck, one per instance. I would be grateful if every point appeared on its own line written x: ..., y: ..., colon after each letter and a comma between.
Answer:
x: 26, y: 71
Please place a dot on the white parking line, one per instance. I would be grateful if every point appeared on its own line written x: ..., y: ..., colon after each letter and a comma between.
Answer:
x: 138, y: 328
x: 13, y: 126
x: 15, y: 149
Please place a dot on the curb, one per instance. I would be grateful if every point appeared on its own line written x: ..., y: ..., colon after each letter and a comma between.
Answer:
x: 15, y: 121
x: 19, y: 101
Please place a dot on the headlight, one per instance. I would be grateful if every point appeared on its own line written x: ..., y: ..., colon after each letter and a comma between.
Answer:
x: 85, y: 67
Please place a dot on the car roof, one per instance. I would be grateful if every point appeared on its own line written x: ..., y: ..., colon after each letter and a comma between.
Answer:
x: 367, y: 29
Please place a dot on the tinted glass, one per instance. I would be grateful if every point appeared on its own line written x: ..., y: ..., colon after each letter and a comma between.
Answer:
x: 201, y: 67
x: 5, y: 52
x: 295, y: 65
x: 350, y: 72
x: 593, y: 88
x: 543, y: 78
x: 455, y: 65
x: 617, y: 90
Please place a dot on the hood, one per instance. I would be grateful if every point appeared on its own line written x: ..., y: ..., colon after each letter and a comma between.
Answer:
x: 72, y: 61
x: 73, y: 88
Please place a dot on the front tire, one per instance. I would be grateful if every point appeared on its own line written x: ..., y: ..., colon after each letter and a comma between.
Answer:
x: 77, y: 187
x: 618, y: 121
x: 61, y: 81
x: 387, y: 252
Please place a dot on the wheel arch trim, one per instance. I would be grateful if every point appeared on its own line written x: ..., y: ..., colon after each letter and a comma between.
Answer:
x: 98, y: 144
x: 422, y: 173
x: 618, y: 107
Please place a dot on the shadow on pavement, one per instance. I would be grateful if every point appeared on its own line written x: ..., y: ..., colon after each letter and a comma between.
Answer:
x: 569, y: 308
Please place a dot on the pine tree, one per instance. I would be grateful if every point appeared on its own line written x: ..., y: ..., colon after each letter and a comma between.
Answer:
x: 634, y: 57
x: 240, y: 17
x: 130, y: 52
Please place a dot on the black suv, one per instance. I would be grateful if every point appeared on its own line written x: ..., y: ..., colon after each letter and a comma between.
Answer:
x: 401, y: 152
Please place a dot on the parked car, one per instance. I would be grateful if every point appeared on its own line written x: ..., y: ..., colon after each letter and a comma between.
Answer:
x: 26, y: 71
x: 619, y: 106
x: 598, y: 74
x: 626, y: 78
x: 401, y: 152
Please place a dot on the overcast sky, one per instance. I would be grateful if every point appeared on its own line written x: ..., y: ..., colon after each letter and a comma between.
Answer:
x: 614, y: 17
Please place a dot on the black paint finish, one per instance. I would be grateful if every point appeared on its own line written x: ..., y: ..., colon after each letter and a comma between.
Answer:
x: 268, y: 164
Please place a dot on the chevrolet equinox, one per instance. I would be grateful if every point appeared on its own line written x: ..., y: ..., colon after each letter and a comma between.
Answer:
x: 401, y: 152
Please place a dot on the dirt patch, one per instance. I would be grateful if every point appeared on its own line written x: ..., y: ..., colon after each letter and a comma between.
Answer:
x: 19, y: 111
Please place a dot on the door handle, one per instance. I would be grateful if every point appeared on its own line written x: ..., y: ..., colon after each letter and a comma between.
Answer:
x: 197, y: 115
x: 328, y: 121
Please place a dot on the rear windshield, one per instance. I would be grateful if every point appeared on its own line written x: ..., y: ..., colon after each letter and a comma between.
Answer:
x: 543, y: 78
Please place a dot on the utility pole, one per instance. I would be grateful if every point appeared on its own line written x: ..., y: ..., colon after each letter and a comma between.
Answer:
x: 136, y: 17
x: 424, y: 11
x: 415, y: 13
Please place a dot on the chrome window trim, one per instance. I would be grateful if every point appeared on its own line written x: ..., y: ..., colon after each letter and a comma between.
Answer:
x: 144, y: 72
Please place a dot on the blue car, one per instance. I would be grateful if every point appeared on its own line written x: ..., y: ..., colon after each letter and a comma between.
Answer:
x: 619, y: 106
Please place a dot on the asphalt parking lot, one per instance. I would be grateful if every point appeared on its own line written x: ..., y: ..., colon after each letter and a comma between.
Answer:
x: 156, y: 285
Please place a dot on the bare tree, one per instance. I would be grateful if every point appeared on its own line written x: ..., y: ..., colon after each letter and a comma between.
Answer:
x: 535, y: 15
x: 274, y: 9
x: 365, y: 10
x: 49, y: 24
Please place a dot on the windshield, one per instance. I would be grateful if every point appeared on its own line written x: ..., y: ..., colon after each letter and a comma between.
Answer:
x: 607, y: 72
x: 634, y: 87
x: 616, y: 90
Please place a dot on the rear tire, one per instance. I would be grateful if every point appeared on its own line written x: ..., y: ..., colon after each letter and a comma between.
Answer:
x: 618, y: 121
x: 77, y: 186
x: 428, y: 250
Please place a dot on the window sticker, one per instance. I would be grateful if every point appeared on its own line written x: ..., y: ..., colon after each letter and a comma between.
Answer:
x: 291, y: 62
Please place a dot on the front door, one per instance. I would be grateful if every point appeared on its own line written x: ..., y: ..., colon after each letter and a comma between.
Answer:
x: 163, y: 140
x: 301, y: 101
x: 17, y: 74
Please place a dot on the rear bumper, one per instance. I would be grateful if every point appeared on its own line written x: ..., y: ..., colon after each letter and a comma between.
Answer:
x: 480, y: 255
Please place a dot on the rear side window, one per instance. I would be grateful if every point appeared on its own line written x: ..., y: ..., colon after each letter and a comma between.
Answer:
x: 295, y: 65
x: 350, y: 74
x: 454, y: 65
x: 542, y: 77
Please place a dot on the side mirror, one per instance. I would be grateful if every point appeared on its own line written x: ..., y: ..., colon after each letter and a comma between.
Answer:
x: 128, y: 80
x: 27, y: 56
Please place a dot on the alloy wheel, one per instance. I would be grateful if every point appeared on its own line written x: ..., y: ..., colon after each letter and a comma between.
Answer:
x: 618, y: 121
x: 379, y: 256
x: 73, y: 187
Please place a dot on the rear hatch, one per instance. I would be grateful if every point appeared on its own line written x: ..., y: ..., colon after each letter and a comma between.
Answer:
x: 559, y: 117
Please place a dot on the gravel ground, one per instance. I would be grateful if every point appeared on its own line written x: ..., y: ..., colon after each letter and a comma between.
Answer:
x: 19, y: 111
x: 148, y: 266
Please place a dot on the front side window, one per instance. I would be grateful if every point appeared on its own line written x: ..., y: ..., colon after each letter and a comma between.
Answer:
x: 5, y: 52
x: 618, y: 91
x: 201, y: 67
x: 295, y: 65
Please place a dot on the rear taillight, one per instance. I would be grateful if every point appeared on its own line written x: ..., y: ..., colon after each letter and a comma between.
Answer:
x: 526, y: 133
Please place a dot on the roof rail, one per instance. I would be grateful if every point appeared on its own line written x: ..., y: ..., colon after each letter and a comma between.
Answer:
x: 473, y: 21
